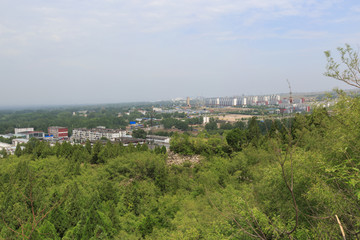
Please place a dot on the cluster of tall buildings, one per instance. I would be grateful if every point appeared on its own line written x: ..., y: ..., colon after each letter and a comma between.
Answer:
x: 244, y: 101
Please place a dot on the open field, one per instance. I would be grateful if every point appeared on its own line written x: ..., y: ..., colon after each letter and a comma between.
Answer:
x: 228, y: 109
x: 234, y: 117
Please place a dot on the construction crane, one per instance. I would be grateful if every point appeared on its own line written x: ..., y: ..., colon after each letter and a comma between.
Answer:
x: 290, y: 98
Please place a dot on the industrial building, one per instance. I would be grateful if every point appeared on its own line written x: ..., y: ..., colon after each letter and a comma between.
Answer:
x: 32, y: 134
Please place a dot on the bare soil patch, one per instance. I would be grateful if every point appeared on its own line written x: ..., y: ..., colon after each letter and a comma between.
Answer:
x: 177, y: 159
x: 234, y: 117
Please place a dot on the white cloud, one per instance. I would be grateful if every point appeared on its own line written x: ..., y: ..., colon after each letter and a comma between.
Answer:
x: 269, y: 34
x: 10, y: 52
x: 5, y: 30
x: 356, y: 9
x: 144, y: 16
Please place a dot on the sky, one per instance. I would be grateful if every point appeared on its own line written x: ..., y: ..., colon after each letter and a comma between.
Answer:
x: 109, y: 51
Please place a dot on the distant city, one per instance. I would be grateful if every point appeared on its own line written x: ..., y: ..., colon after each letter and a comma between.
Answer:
x: 194, y: 116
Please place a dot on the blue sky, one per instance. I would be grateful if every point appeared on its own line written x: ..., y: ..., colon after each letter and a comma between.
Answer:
x: 107, y: 51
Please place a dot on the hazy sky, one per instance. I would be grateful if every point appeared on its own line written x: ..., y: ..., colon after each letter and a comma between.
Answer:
x: 108, y: 51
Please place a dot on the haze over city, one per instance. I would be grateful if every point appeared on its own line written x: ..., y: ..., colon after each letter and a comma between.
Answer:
x: 109, y: 51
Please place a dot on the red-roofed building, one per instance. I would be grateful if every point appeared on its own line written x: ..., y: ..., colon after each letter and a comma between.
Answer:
x: 58, y: 132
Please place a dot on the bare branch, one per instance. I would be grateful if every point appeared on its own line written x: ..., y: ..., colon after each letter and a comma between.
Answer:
x: 350, y: 60
x: 236, y: 222
x: 21, y: 234
x: 341, y: 228
x: 36, y: 216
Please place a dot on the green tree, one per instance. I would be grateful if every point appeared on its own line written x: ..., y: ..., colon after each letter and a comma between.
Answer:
x: 66, y: 150
x: 253, y: 132
x: 139, y: 133
x: 182, y: 125
x: 95, y: 159
x: 4, y: 153
x: 348, y: 70
x: 163, y: 150
x: 144, y: 147
x: 182, y: 144
x: 18, y: 150
x: 236, y: 139
x: 88, y: 146
x: 240, y: 124
x: 212, y: 125
x: 226, y: 126
x: 30, y: 145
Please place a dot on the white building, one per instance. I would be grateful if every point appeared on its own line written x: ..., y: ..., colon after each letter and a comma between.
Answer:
x: 83, y: 134
x: 17, y: 141
x: 19, y: 130
x: 252, y: 100
x: 212, y: 101
x: 243, y: 100
x: 274, y: 99
x: 227, y: 101
x: 206, y: 120
x: 143, y: 112
x: 4, y: 146
x: 157, y: 139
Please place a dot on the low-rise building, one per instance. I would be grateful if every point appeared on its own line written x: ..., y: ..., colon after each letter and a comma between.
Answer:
x: 4, y: 146
x: 20, y: 130
x: 94, y: 134
x: 157, y: 139
x: 58, y: 132
x: 17, y: 141
x: 206, y: 120
x: 33, y: 134
x: 7, y: 136
x: 154, y: 140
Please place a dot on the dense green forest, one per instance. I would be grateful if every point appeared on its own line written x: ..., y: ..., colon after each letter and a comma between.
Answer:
x: 291, y: 179
x: 40, y: 120
x: 108, y: 116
